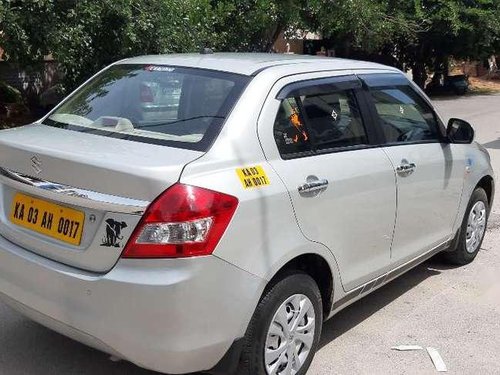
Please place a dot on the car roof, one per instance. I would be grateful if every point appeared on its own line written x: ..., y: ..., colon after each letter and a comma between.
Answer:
x: 252, y: 63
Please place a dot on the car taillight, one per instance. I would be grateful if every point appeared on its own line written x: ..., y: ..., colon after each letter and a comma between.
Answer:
x: 184, y: 221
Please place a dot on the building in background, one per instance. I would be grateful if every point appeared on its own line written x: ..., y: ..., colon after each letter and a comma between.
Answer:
x: 302, y: 43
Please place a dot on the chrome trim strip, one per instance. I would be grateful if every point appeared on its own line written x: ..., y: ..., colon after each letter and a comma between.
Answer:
x: 71, y: 195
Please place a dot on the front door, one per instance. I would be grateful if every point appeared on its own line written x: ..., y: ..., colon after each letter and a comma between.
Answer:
x: 341, y: 187
x: 429, y: 171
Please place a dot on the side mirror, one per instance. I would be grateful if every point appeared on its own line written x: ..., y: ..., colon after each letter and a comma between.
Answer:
x: 459, y: 131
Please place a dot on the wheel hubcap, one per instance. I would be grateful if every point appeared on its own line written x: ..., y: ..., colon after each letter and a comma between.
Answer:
x: 290, y: 336
x: 476, y: 225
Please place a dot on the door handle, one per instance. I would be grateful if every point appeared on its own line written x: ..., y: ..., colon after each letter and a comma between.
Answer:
x: 313, y: 186
x: 406, y: 168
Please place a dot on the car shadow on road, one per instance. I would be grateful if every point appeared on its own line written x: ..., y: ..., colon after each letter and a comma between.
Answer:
x: 493, y: 144
x: 49, y: 352
x: 29, y: 348
x: 353, y: 315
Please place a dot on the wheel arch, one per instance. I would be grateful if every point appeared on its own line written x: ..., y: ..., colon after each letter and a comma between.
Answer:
x: 315, y: 266
x: 487, y: 183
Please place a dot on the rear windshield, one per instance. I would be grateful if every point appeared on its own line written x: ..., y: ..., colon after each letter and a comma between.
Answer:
x: 157, y: 104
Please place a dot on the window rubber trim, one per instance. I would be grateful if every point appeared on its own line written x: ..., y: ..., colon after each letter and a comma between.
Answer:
x: 319, y: 86
x: 325, y: 86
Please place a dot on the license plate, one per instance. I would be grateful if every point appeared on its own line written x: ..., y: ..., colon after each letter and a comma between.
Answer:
x: 59, y: 222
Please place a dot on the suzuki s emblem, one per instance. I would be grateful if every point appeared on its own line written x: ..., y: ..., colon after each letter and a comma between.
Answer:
x: 36, y: 164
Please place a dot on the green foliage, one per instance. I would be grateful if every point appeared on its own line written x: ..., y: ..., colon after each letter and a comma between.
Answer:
x: 459, y: 28
x: 418, y: 34
x: 9, y: 94
x: 26, y: 29
x: 86, y: 35
x: 95, y: 34
x: 251, y: 25
x: 363, y: 24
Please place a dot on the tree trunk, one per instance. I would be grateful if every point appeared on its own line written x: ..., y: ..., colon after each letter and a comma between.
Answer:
x: 273, y: 36
x: 419, y: 74
x: 446, y: 63
x: 419, y: 68
x: 442, y: 65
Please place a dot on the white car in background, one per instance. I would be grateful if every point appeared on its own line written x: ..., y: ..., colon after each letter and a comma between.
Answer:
x: 219, y: 234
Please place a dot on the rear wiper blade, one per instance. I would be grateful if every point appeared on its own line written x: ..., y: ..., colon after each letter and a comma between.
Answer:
x: 177, y: 121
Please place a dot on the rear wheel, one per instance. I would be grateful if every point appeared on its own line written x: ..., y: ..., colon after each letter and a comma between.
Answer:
x: 472, y: 231
x: 284, y: 332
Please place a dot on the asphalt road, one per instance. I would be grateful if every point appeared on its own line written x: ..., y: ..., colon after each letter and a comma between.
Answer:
x: 456, y: 310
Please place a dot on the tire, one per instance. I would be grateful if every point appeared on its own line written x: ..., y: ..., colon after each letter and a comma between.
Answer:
x: 462, y: 254
x: 258, y: 337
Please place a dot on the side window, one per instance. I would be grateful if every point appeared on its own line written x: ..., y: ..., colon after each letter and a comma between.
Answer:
x: 289, y: 130
x: 319, y: 122
x: 334, y: 120
x: 404, y: 115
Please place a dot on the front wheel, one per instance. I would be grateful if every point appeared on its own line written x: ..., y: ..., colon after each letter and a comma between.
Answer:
x: 284, y: 332
x: 472, y: 230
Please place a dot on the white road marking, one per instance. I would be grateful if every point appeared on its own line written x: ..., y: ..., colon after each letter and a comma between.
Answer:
x: 437, y: 360
x: 405, y: 348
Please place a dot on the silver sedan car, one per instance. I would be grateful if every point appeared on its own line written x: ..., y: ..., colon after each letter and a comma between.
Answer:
x: 217, y: 229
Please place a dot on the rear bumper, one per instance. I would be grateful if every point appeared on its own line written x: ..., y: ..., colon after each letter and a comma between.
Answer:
x: 175, y: 316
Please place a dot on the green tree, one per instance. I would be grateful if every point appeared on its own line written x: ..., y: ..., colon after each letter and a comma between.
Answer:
x: 356, y: 24
x: 26, y: 29
x: 96, y: 34
x: 86, y: 35
x: 458, y: 28
x: 251, y: 25
x: 417, y: 34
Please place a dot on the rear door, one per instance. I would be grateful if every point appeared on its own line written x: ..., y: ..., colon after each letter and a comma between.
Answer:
x: 341, y: 187
x: 429, y: 171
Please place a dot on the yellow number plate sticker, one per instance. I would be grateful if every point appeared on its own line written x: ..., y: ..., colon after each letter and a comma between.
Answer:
x: 252, y: 177
x: 59, y: 222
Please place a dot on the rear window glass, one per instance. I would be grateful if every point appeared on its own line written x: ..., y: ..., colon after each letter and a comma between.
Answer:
x: 172, y: 106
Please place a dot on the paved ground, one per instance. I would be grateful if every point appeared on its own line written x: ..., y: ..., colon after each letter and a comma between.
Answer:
x: 456, y: 310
